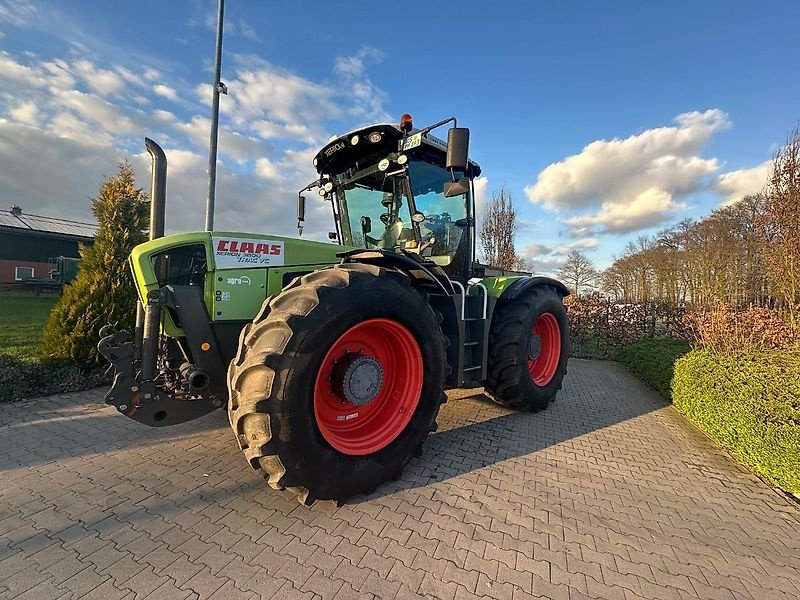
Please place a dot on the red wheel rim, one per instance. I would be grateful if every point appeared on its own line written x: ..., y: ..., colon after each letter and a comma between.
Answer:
x: 363, y: 429
x: 543, y: 367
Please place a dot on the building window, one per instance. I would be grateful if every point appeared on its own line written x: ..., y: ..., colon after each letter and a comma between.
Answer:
x: 23, y: 273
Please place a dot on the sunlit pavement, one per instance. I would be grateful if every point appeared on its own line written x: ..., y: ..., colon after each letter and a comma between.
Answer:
x: 608, y: 494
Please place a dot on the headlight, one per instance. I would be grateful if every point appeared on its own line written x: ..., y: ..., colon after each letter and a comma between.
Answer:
x: 402, y: 159
x: 374, y: 137
x: 383, y: 165
x: 354, y: 140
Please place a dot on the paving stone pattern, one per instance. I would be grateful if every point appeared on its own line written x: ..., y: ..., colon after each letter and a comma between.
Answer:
x: 608, y: 494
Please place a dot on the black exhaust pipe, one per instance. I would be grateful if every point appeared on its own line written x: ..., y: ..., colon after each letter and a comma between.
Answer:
x: 158, y: 189
x: 158, y: 204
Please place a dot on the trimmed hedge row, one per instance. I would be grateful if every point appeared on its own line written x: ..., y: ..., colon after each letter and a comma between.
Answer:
x: 652, y: 361
x: 21, y: 379
x: 750, y: 404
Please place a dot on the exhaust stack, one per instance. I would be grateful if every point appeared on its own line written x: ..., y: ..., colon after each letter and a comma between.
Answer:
x: 158, y: 205
x: 158, y: 187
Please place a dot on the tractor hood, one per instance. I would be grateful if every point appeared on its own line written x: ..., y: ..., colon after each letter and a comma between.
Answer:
x: 225, y: 251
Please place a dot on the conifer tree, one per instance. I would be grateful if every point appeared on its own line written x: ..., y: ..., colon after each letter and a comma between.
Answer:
x: 103, y: 291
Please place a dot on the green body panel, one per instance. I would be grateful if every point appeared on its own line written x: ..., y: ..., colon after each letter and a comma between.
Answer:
x: 496, y: 286
x: 237, y: 293
x: 233, y: 292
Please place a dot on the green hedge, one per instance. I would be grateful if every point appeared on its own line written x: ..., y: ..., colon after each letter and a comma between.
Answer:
x: 748, y: 403
x: 21, y: 379
x: 653, y: 360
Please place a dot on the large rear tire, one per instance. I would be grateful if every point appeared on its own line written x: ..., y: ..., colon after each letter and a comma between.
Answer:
x: 528, y: 350
x: 337, y: 382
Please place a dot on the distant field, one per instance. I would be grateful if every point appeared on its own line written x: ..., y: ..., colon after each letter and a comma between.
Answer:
x: 22, y: 319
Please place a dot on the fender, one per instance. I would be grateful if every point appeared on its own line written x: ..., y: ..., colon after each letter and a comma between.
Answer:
x: 522, y: 285
x: 424, y: 274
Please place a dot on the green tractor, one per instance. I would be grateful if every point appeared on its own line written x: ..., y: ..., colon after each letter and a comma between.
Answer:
x: 332, y: 359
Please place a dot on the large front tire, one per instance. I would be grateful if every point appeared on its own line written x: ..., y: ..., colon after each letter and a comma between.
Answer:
x: 337, y: 382
x: 528, y: 350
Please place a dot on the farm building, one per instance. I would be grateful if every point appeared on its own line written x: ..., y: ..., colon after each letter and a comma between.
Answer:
x: 35, y: 247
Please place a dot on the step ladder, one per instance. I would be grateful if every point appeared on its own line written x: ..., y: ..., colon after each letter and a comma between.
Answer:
x: 472, y: 354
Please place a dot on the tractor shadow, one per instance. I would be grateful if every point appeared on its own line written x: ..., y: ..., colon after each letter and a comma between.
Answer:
x: 475, y: 432
x: 41, y: 431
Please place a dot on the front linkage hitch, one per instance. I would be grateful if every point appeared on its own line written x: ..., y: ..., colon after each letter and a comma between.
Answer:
x: 139, y: 378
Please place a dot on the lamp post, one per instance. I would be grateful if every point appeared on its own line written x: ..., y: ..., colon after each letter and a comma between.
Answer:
x: 219, y: 88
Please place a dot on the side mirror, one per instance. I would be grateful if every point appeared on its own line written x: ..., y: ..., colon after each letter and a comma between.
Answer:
x: 457, y: 148
x: 456, y: 188
x: 301, y: 213
x: 366, y: 227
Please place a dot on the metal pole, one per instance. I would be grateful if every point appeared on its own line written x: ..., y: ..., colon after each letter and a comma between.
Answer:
x: 212, y: 154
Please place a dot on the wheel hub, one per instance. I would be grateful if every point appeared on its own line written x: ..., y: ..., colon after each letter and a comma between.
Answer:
x: 357, y: 378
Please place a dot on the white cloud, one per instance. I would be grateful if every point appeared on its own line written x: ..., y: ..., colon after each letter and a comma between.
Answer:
x: 79, y: 121
x: 53, y: 176
x: 622, y: 185
x: 369, y: 99
x: 481, y: 185
x: 269, y: 130
x: 266, y: 169
x: 58, y: 74
x: 355, y: 65
x: 263, y: 91
x: 97, y: 110
x: 581, y: 244
x: 66, y: 125
x: 165, y: 115
x: 735, y: 185
x: 648, y: 208
x: 547, y: 259
x: 18, y: 13
x: 100, y: 81
x: 166, y: 92
x: 246, y: 30
x: 20, y: 75
x: 232, y: 143
x: 26, y: 113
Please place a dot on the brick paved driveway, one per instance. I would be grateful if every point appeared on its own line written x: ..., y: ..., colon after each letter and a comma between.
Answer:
x: 609, y: 494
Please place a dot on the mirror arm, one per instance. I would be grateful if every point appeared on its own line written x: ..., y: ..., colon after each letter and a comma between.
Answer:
x: 439, y: 124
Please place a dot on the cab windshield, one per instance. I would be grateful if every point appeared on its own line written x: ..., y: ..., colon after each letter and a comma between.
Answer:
x: 382, y: 197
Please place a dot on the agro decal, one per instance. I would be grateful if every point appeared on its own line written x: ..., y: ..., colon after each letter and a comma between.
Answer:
x: 233, y: 253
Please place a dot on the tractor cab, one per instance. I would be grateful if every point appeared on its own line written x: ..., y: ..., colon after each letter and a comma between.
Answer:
x: 401, y: 190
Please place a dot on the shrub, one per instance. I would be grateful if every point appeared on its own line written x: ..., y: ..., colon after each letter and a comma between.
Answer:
x: 599, y: 326
x: 724, y: 330
x: 653, y: 361
x: 21, y: 379
x: 749, y: 403
x: 103, y: 291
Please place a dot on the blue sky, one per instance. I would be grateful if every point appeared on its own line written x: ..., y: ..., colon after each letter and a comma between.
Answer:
x: 605, y: 120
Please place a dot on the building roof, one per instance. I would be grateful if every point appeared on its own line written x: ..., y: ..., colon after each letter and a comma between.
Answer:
x: 14, y: 218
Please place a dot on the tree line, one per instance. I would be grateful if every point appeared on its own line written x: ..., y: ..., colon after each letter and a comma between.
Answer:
x: 743, y: 255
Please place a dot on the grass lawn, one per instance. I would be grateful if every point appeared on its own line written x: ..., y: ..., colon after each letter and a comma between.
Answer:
x: 22, y: 319
x: 23, y: 372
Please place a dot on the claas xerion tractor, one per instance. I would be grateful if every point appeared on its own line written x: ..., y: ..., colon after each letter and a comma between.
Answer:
x: 332, y: 358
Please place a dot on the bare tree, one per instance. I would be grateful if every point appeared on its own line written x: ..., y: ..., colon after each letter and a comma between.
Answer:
x: 779, y: 225
x: 579, y: 272
x: 497, y: 234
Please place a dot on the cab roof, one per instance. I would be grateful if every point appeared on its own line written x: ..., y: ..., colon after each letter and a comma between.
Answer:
x: 339, y: 154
